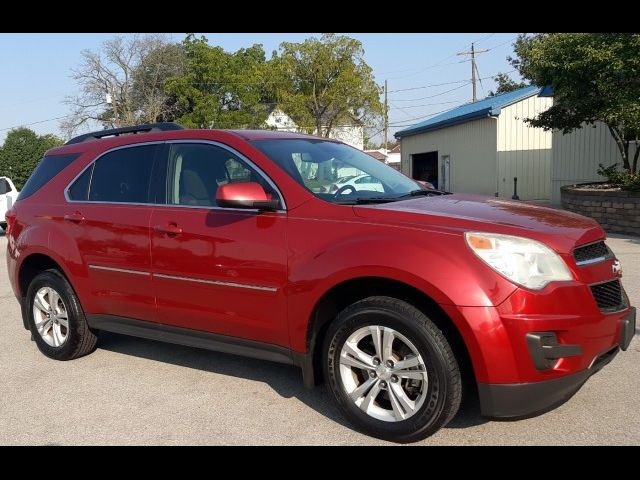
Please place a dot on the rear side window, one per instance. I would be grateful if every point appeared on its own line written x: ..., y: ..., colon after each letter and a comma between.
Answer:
x: 122, y: 176
x: 79, y: 191
x: 48, y: 168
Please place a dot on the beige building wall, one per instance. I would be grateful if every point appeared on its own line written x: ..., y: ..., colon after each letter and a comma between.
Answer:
x: 524, y: 151
x: 577, y: 155
x: 471, y: 147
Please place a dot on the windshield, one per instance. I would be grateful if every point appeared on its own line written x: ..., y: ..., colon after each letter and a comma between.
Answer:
x: 336, y: 172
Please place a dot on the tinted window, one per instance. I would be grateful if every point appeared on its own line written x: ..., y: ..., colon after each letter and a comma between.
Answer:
x: 80, y: 188
x: 48, y: 168
x: 123, y: 176
x: 196, y: 171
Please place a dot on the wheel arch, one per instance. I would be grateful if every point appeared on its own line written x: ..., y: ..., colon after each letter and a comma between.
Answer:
x: 30, y: 267
x: 349, y: 291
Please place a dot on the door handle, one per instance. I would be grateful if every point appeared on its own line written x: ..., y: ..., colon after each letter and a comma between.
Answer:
x: 76, y: 217
x: 168, y: 229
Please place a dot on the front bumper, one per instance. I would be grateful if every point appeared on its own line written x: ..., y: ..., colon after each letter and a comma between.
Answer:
x: 534, y: 351
x: 518, y: 400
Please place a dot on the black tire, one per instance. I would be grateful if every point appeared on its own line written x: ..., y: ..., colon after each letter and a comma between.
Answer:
x: 80, y: 339
x: 444, y: 391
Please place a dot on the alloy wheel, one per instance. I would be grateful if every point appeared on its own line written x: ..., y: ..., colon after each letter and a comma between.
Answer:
x: 50, y: 317
x: 383, y: 373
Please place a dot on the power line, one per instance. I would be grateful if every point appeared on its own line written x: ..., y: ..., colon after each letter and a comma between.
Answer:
x: 440, y: 93
x: 434, y: 85
x: 479, y: 79
x: 425, y: 105
x: 437, y: 64
x: 485, y: 38
x: 401, y: 109
x: 418, y: 118
x: 428, y: 86
x: 503, y: 43
x: 27, y: 102
x: 34, y: 123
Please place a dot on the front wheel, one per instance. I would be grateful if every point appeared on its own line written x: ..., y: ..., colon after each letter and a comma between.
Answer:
x: 391, y: 370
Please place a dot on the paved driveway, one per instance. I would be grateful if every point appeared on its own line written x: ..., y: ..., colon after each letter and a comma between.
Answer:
x: 133, y: 391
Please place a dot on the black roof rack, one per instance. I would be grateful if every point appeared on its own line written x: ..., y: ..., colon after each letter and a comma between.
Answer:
x: 149, y: 127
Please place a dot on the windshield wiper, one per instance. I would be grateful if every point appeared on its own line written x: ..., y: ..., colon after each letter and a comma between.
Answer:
x: 364, y: 201
x: 420, y: 192
x: 370, y: 200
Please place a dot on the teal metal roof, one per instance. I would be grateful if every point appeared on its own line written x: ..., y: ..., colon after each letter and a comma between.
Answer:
x: 489, y: 107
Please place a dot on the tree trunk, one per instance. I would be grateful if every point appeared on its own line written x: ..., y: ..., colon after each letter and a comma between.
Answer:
x: 319, y: 127
x: 623, y: 146
x: 328, y: 128
x: 634, y: 167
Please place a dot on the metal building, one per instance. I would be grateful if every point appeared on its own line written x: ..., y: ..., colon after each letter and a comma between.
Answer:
x: 480, y: 147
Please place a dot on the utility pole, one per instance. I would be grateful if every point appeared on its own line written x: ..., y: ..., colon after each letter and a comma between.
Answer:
x: 386, y: 117
x: 473, y: 71
x: 474, y: 68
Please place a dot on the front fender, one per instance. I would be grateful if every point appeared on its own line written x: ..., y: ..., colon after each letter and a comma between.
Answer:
x: 439, y: 264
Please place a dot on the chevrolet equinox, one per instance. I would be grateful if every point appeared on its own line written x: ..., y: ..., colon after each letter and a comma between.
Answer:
x: 245, y: 242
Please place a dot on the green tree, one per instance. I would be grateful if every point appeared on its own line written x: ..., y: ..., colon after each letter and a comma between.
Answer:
x: 323, y: 83
x: 21, y: 152
x: 595, y: 77
x: 505, y: 84
x: 220, y: 89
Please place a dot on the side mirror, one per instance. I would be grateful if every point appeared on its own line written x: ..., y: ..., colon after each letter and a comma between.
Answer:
x: 248, y: 195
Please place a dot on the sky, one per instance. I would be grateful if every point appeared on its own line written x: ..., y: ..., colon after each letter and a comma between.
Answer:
x: 424, y: 74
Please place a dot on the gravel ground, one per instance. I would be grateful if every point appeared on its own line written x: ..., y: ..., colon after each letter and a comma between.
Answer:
x: 133, y: 391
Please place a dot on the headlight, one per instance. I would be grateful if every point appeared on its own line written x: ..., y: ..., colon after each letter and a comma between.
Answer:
x: 523, y: 261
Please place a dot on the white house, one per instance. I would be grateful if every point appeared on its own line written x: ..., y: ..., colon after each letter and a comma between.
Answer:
x: 279, y: 120
x: 390, y: 157
x: 394, y: 157
x: 379, y: 154
x: 350, y: 134
x: 480, y: 147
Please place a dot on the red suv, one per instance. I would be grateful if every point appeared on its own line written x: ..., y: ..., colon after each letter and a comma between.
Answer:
x: 235, y: 241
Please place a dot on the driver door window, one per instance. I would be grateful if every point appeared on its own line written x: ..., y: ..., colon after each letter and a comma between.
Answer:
x: 197, y: 170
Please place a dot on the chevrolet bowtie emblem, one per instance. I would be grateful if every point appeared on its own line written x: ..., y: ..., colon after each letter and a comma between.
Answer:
x: 616, y: 267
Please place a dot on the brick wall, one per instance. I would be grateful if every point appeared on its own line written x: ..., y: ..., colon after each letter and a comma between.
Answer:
x: 616, y: 210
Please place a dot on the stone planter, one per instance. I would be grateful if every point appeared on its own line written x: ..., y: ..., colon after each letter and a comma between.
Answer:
x: 616, y: 210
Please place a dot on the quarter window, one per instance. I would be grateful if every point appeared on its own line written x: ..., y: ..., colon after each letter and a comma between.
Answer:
x: 123, y: 176
x: 79, y: 191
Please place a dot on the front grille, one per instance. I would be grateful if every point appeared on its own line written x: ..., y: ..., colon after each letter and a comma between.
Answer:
x: 609, y: 296
x: 592, y: 252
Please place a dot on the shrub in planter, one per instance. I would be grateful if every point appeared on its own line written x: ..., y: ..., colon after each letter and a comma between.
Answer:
x: 623, y: 179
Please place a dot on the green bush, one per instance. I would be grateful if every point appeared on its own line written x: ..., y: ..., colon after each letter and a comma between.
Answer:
x: 620, y: 178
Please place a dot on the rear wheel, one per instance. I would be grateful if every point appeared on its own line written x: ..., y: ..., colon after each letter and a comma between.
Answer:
x: 56, y: 319
x: 391, y: 370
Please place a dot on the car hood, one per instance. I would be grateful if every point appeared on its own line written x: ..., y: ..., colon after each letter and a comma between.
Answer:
x: 558, y: 228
